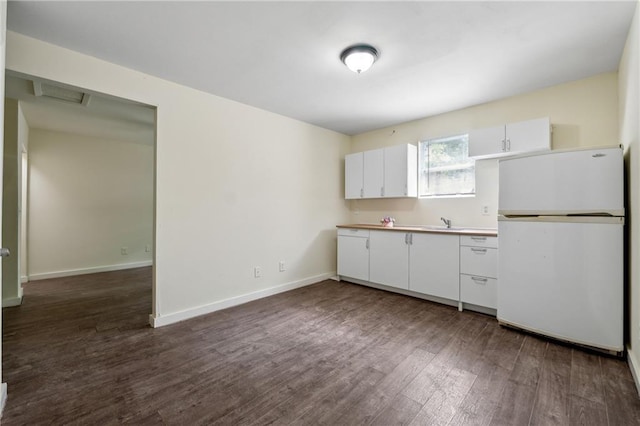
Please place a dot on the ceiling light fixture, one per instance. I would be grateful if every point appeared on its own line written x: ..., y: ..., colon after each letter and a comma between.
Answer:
x: 359, y: 57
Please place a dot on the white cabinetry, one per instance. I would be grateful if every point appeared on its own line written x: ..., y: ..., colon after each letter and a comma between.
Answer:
x: 510, y: 139
x: 390, y: 172
x: 353, y: 175
x: 373, y: 181
x: 479, y: 270
x: 353, y: 253
x: 434, y: 265
x: 458, y: 268
x: 389, y: 258
x: 401, y: 171
x: 421, y: 262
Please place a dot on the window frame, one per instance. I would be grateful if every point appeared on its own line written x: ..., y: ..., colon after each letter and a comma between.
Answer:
x: 424, y: 168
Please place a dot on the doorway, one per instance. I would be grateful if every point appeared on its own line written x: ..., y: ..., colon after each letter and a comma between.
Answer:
x: 88, y: 181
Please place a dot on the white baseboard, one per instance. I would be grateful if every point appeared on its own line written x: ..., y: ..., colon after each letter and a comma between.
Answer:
x: 159, y: 321
x: 3, y: 397
x: 72, y: 272
x: 633, y: 366
x: 24, y: 279
x: 12, y: 301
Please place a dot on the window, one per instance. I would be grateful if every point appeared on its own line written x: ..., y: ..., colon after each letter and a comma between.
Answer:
x: 445, y: 167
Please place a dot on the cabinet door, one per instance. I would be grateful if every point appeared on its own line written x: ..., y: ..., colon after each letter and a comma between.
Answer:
x: 389, y: 258
x: 353, y: 175
x: 400, y: 171
x: 487, y: 142
x: 353, y: 257
x: 530, y: 135
x: 480, y: 261
x: 434, y: 265
x: 373, y: 173
x: 479, y: 241
x: 481, y: 291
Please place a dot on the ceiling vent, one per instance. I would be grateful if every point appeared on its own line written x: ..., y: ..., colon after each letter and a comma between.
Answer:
x: 61, y: 93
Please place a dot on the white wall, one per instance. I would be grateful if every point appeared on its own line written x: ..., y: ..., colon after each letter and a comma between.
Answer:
x: 237, y: 187
x: 88, y: 197
x: 629, y: 98
x: 583, y: 113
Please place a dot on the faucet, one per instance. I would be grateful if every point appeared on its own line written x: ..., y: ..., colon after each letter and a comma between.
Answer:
x: 446, y: 222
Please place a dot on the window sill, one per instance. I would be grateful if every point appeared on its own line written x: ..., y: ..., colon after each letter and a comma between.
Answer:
x: 425, y: 197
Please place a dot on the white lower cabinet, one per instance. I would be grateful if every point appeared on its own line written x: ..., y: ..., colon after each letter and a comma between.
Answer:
x: 479, y: 270
x: 420, y: 262
x: 434, y: 265
x: 353, y: 253
x: 389, y: 258
x: 460, y: 268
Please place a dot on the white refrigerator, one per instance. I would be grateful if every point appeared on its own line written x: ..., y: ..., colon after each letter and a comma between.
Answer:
x: 561, y: 245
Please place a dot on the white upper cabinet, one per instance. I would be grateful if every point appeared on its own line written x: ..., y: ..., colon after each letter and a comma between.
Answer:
x: 353, y: 175
x: 510, y: 139
x: 390, y: 172
x: 401, y: 171
x: 487, y: 142
x: 373, y: 183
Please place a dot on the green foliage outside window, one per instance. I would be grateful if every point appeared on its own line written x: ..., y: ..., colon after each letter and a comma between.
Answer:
x: 445, y: 167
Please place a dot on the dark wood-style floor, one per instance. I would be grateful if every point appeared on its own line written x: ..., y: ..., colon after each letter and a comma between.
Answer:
x: 79, y: 351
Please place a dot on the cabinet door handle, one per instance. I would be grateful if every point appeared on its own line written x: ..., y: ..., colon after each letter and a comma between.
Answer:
x: 504, y: 145
x: 382, y: 191
x: 367, y: 245
x: 479, y: 238
x: 479, y: 250
x: 411, y: 239
x: 361, y: 192
x: 406, y: 239
x: 479, y: 280
x: 508, y: 144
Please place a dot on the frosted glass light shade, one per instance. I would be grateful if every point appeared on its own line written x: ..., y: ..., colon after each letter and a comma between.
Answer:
x: 359, y: 58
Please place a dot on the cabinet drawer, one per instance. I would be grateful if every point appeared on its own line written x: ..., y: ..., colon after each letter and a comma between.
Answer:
x: 479, y: 241
x: 480, y: 261
x: 353, y: 232
x: 481, y: 291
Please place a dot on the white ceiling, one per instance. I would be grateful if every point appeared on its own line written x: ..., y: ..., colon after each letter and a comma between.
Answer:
x: 284, y: 56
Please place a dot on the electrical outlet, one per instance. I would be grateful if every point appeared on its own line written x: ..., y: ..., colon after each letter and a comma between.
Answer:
x: 281, y: 266
x: 485, y: 210
x: 257, y: 272
x: 124, y: 251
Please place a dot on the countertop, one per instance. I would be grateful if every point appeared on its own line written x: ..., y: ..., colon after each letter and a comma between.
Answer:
x: 489, y: 232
